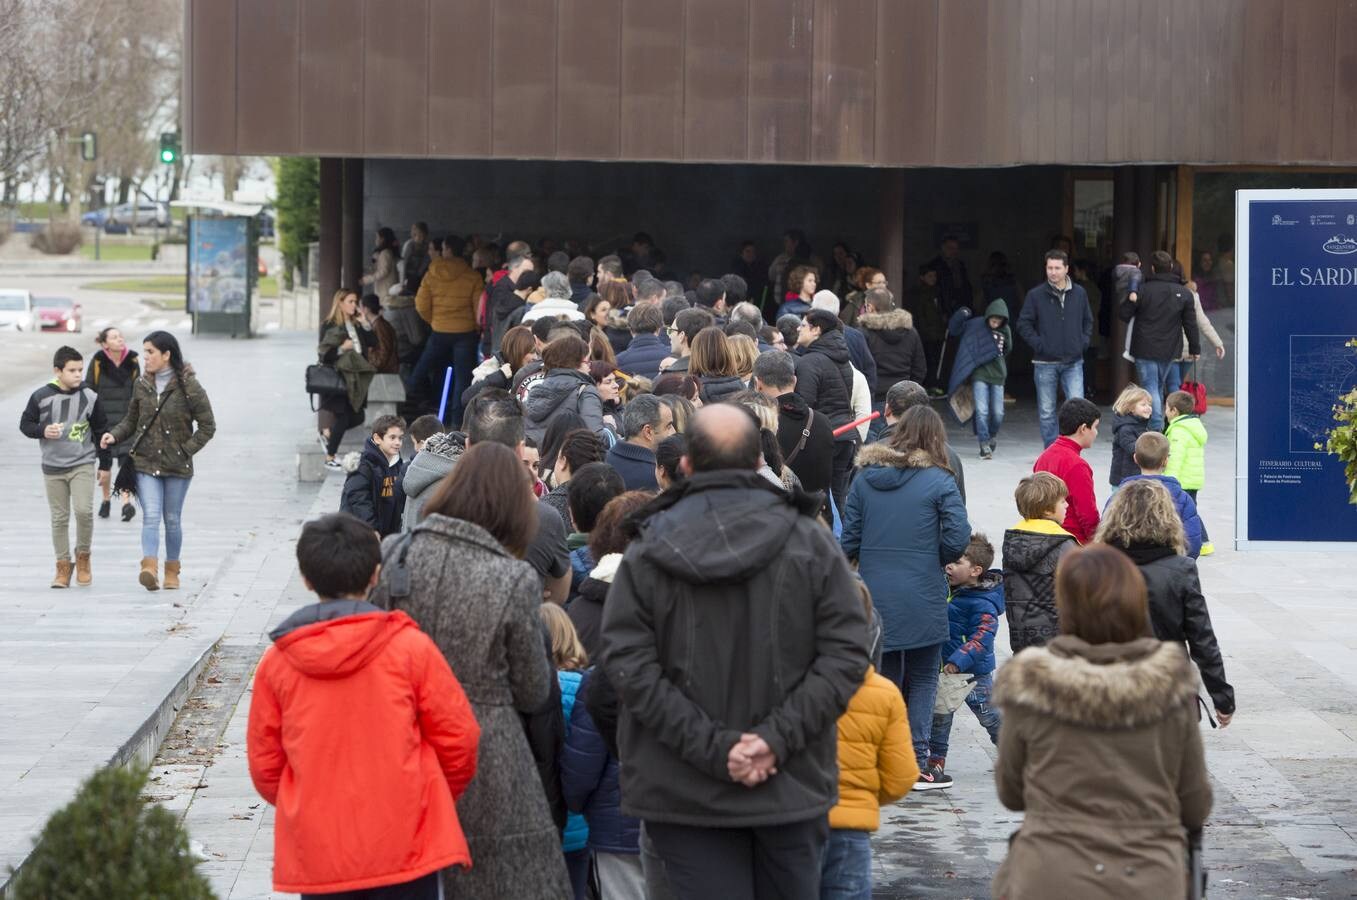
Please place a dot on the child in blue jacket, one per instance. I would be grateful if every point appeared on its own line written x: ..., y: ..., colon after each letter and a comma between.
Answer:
x: 571, y: 662
x: 1151, y: 456
x: 973, y: 611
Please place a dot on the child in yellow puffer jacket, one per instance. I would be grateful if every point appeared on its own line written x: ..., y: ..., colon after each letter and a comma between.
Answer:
x: 876, y: 766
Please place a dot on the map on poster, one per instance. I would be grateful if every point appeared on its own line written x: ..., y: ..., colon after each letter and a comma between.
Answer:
x: 1296, y: 315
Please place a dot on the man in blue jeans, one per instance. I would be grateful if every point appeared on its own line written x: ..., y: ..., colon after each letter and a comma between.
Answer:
x: 1164, y: 312
x: 1057, y: 322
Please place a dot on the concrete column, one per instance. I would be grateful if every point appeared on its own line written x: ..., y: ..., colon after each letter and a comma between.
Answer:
x: 891, y: 230
x: 353, y: 254
x: 331, y: 219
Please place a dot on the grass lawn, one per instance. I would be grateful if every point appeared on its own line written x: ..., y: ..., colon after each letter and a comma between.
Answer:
x: 168, y: 285
x: 117, y: 252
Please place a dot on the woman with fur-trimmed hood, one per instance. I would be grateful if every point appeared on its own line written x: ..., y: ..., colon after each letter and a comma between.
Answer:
x: 895, y: 345
x: 1100, y: 746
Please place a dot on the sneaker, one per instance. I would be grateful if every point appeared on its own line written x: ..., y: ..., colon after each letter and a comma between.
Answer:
x: 933, y: 779
x: 333, y: 464
x: 103, y: 509
x: 128, y: 512
x: 986, y: 453
x: 1208, y: 548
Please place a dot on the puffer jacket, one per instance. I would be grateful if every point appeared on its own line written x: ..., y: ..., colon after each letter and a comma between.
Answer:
x: 1126, y: 430
x: 592, y: 780
x: 1057, y: 323
x: 448, y: 295
x: 113, y: 382
x: 167, y: 446
x: 372, y: 489
x: 876, y: 755
x: 973, y: 620
x: 1163, y: 313
x: 576, y: 836
x: 824, y: 379
x: 896, y: 347
x: 1178, y: 613
x: 1187, y: 451
x: 1102, y: 751
x: 428, y: 467
x: 1187, y: 510
x: 345, y: 685
x: 978, y: 354
x: 563, y: 390
x: 728, y: 556
x: 1032, y: 548
x: 903, y: 521
x: 716, y: 388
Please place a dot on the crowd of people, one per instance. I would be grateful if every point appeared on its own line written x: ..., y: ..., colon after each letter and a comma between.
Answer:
x: 668, y: 612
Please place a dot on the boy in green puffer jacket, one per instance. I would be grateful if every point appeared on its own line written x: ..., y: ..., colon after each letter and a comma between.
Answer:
x: 1187, y: 450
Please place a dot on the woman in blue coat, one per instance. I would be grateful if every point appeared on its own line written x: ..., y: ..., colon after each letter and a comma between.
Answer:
x: 903, y: 521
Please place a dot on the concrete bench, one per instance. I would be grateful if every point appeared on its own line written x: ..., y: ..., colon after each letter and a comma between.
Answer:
x: 310, y: 459
x: 385, y: 394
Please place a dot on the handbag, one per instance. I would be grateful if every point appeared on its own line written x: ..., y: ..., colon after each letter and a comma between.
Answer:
x: 324, y: 381
x: 1198, y: 390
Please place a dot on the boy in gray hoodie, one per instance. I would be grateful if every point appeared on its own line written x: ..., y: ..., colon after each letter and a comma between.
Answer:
x: 66, y: 420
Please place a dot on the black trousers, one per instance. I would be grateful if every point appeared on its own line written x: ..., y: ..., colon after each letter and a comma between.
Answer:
x: 774, y: 862
x: 844, y: 453
x: 426, y: 888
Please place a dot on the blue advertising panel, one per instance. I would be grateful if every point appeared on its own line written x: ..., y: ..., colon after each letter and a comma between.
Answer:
x: 1296, y: 288
x: 218, y: 265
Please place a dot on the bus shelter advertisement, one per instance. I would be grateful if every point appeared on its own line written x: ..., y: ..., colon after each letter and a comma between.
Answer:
x: 1296, y: 274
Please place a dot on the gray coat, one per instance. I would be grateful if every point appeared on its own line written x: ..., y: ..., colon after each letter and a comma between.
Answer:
x: 479, y: 605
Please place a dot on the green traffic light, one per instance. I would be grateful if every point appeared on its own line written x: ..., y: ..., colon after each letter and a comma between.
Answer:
x: 167, y: 156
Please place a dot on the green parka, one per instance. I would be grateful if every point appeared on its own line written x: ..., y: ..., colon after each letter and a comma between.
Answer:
x: 168, y: 446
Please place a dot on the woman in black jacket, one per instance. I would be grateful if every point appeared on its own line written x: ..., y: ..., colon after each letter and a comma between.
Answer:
x: 712, y: 364
x: 112, y: 373
x: 1142, y: 522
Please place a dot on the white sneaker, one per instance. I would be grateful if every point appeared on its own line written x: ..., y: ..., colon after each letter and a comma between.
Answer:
x: 333, y: 464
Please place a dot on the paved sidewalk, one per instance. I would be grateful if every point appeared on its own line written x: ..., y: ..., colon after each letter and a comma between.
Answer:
x: 86, y: 669
x: 1283, y: 825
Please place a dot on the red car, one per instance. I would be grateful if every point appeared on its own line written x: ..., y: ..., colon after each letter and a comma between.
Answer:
x: 58, y: 314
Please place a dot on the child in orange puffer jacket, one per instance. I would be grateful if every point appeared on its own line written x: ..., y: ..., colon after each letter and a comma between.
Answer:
x: 359, y: 734
x: 876, y: 766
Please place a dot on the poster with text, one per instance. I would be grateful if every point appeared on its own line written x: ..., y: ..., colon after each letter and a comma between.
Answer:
x: 1296, y: 284
x: 218, y: 271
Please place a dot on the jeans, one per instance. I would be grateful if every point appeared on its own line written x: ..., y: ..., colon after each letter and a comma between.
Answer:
x: 443, y: 350
x: 844, y: 452
x: 1206, y: 538
x: 846, y: 868
x: 989, y: 410
x: 429, y: 887
x: 1069, y: 377
x: 162, y: 497
x: 1154, y: 376
x: 758, y: 863
x: 72, y: 489
x: 978, y: 701
x: 915, y: 672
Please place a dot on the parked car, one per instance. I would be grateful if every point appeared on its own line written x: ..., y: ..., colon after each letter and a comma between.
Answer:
x: 144, y: 212
x: 95, y: 217
x: 58, y: 314
x: 16, y: 310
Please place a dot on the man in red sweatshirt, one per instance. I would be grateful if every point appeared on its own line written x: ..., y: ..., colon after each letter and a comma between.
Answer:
x: 1078, y: 419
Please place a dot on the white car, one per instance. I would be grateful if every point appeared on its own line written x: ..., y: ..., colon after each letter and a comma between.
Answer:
x: 16, y: 310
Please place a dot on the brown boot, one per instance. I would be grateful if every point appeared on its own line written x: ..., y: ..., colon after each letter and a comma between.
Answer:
x: 171, y: 574
x: 63, y: 576
x: 148, y: 579
x: 83, y: 576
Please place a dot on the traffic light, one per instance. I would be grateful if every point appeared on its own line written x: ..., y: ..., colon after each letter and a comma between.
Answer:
x: 169, y: 147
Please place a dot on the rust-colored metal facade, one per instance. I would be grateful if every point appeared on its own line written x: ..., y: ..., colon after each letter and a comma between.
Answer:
x: 842, y: 82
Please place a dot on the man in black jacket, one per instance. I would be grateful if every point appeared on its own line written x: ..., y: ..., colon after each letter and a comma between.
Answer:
x: 734, y: 636
x: 1164, y: 312
x: 1057, y: 322
x: 824, y: 379
x: 805, y: 436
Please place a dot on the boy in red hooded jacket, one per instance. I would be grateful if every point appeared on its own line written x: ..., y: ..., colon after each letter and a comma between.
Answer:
x: 1079, y: 420
x: 359, y: 734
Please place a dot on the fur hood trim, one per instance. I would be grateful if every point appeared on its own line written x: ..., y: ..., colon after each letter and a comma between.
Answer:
x: 880, y: 455
x: 1110, y: 687
x: 350, y: 461
x: 892, y: 320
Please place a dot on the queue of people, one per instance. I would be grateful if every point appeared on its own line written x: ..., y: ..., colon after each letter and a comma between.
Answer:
x: 697, y: 520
